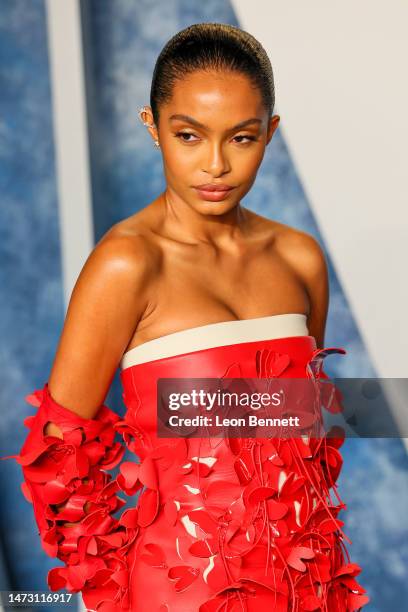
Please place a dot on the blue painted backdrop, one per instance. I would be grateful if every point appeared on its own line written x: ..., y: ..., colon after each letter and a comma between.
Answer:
x: 123, y: 39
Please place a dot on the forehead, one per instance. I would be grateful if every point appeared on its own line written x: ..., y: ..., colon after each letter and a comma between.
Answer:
x: 211, y: 96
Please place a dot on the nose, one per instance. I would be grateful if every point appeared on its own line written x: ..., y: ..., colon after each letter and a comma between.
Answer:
x: 217, y: 162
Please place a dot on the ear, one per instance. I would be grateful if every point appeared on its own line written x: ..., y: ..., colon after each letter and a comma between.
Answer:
x: 272, y: 125
x: 146, y: 116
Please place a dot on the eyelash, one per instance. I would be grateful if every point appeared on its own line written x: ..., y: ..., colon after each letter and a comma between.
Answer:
x: 180, y: 134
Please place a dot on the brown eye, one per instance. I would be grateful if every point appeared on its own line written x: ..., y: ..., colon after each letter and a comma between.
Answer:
x: 181, y: 135
x: 249, y: 138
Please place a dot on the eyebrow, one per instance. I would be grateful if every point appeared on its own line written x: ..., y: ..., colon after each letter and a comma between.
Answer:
x: 238, y: 126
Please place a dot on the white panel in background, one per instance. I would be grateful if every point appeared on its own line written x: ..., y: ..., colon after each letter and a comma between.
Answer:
x: 70, y: 137
x: 342, y: 94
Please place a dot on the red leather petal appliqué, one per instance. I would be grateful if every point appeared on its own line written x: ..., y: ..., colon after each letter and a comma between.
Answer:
x: 70, y: 474
x: 183, y: 575
x: 153, y: 555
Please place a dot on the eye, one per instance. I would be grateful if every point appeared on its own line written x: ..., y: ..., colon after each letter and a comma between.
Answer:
x: 249, y: 138
x: 181, y: 135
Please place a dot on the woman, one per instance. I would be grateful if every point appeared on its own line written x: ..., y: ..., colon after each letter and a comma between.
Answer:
x: 193, y: 285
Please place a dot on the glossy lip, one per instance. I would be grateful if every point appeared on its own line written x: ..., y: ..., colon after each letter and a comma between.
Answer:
x: 213, y: 195
x: 213, y: 187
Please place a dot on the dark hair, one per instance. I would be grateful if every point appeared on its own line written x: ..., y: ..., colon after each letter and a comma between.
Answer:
x: 211, y: 46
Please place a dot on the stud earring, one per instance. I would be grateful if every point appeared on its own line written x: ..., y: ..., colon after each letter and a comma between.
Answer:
x: 156, y: 143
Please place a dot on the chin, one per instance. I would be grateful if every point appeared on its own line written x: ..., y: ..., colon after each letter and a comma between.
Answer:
x: 214, y: 208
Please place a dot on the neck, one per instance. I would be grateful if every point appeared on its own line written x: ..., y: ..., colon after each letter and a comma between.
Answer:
x: 190, y: 225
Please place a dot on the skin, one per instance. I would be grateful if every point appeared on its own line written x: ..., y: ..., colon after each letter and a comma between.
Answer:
x: 182, y: 262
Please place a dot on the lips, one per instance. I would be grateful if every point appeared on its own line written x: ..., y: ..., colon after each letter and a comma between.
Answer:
x: 213, y: 187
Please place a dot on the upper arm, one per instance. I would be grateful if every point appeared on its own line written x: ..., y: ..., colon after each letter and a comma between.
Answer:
x: 106, y: 304
x: 316, y: 278
x: 311, y: 267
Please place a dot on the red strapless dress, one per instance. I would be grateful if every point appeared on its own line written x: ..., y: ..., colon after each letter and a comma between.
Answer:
x: 220, y: 524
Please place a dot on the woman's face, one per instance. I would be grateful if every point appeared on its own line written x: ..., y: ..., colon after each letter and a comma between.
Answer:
x: 202, y: 141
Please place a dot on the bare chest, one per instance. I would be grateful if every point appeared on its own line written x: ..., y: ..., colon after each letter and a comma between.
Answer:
x: 193, y: 290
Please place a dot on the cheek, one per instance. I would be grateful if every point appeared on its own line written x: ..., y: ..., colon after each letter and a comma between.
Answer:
x: 179, y: 161
x: 246, y: 165
x: 180, y: 172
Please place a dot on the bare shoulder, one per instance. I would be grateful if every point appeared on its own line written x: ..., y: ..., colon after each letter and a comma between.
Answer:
x: 131, y: 239
x: 303, y: 251
x: 118, y: 274
x: 125, y: 250
x: 110, y: 296
x: 299, y: 249
x: 305, y: 256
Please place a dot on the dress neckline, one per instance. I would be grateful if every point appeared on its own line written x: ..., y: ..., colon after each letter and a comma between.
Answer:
x: 217, y: 334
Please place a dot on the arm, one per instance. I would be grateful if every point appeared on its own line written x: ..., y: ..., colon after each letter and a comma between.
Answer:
x: 311, y: 266
x: 107, y: 302
x: 309, y: 262
x: 317, y: 284
x: 71, y: 441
